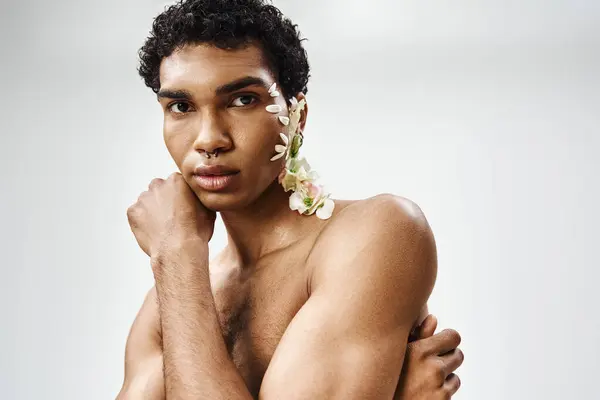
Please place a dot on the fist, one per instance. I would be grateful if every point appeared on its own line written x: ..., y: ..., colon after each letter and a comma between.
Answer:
x: 167, y: 214
x: 427, y: 373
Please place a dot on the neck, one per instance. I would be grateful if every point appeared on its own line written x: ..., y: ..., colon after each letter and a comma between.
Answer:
x: 265, y: 226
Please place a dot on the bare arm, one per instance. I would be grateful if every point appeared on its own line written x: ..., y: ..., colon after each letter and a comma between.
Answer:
x: 197, y: 363
x: 349, y: 339
x: 144, y: 378
x: 369, y: 284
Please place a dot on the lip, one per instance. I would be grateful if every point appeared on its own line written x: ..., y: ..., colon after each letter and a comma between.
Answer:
x: 214, y: 178
x: 214, y: 170
x: 214, y: 183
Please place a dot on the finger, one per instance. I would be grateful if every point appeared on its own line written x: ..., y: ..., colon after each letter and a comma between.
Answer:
x: 427, y: 328
x: 451, y: 385
x: 442, y: 342
x: 154, y: 182
x: 452, y: 360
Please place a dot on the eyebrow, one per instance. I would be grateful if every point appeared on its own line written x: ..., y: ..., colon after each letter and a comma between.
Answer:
x: 240, y: 84
x: 182, y: 94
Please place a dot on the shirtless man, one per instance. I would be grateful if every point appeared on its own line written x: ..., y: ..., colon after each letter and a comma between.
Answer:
x: 310, y: 299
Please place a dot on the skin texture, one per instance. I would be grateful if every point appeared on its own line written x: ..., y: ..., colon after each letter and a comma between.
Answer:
x: 367, y: 288
x: 294, y: 307
x: 245, y: 136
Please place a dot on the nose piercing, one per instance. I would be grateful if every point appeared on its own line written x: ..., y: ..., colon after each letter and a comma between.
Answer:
x: 208, y: 154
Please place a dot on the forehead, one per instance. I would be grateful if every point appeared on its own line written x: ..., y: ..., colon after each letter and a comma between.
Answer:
x: 206, y: 66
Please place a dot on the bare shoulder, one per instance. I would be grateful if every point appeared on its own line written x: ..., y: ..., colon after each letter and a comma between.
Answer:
x: 386, y: 226
x: 380, y: 208
x: 372, y: 216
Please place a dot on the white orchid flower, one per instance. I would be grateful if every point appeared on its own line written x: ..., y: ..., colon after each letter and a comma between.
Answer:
x: 297, y: 202
x: 308, y: 197
x: 298, y: 172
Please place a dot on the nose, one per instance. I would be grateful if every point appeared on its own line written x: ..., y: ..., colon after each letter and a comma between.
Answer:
x: 212, y: 135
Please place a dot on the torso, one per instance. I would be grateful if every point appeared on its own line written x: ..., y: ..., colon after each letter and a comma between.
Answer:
x: 255, y: 310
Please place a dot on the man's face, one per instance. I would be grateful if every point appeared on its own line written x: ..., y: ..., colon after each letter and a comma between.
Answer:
x: 215, y: 100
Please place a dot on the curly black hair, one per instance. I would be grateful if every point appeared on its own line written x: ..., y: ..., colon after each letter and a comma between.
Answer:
x: 228, y: 24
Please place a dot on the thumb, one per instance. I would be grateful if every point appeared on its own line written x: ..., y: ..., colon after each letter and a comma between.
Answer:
x: 427, y: 328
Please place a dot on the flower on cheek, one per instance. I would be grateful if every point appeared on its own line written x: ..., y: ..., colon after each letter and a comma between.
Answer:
x: 297, y: 176
x: 273, y: 90
x: 281, y: 150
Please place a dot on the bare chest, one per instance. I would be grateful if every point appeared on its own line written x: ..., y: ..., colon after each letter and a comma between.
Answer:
x: 254, y: 312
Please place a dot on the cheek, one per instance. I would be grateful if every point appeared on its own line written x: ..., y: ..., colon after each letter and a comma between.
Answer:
x: 176, y: 142
x: 259, y: 136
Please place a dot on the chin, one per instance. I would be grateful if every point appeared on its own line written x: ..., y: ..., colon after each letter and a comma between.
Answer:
x: 234, y: 198
x: 220, y: 202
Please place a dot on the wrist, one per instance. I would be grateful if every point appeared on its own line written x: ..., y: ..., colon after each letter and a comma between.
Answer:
x: 190, y: 254
x: 176, y: 246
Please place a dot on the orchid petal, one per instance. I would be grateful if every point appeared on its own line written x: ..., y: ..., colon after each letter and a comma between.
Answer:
x: 297, y: 202
x: 277, y: 157
x: 284, y: 138
x: 274, y: 108
x: 326, y: 210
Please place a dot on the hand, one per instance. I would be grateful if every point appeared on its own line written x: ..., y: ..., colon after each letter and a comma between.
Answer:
x: 169, y: 213
x: 427, y: 373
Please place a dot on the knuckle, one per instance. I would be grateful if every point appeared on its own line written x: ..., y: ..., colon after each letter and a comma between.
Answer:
x: 452, y: 336
x: 132, y: 213
x: 141, y: 197
x: 456, y: 336
x: 154, y: 182
x: 461, y: 355
x: 440, y: 370
x: 452, y: 385
x: 437, y: 371
x: 432, y: 377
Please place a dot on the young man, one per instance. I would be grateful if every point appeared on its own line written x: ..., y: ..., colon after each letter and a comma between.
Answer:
x: 312, y: 298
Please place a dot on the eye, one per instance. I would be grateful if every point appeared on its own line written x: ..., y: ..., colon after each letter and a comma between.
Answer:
x: 179, y: 110
x: 244, y: 100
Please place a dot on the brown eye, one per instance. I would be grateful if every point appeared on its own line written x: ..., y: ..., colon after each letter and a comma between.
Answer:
x: 181, y: 108
x: 242, y: 101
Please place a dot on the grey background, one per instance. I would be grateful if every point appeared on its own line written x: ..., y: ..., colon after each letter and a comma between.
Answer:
x: 487, y: 114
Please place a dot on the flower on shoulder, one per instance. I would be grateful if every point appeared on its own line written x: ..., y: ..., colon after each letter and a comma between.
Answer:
x: 325, y: 208
x: 310, y: 198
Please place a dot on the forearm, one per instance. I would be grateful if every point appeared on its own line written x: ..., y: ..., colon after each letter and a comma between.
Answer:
x: 196, y: 360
